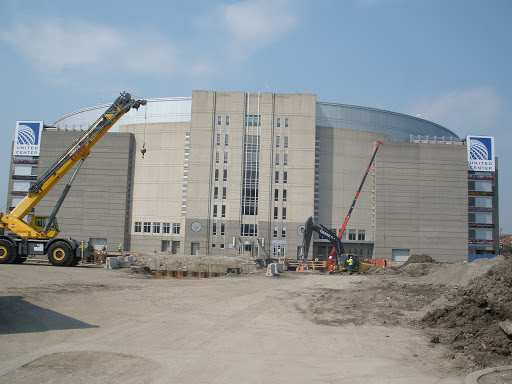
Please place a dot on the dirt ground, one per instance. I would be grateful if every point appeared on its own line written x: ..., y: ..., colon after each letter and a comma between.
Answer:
x: 422, y: 322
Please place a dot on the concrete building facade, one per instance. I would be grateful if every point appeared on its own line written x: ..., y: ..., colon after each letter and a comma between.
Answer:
x: 239, y: 173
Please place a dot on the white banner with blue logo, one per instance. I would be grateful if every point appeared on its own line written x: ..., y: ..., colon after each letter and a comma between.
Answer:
x: 27, y: 139
x: 480, y: 153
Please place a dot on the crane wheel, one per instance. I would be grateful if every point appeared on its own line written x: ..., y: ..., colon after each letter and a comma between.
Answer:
x: 7, y: 252
x: 60, y: 254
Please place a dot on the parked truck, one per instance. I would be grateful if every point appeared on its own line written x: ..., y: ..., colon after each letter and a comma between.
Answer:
x: 39, y: 236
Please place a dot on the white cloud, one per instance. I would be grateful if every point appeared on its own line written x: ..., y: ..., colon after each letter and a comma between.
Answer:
x: 57, y: 45
x: 252, y: 24
x: 473, y: 111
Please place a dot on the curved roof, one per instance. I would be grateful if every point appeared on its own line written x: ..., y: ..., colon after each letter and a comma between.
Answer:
x: 398, y: 126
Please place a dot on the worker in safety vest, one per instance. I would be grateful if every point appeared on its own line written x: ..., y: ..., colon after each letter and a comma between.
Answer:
x: 120, y: 248
x: 350, y: 263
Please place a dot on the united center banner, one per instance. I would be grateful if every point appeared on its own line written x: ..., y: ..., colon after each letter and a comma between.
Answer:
x: 27, y: 139
x: 480, y: 153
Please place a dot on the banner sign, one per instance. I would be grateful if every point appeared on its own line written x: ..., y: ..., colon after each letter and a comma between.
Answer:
x: 27, y: 139
x: 480, y: 153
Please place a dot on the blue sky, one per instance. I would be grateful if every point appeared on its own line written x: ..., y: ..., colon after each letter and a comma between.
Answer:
x: 447, y: 61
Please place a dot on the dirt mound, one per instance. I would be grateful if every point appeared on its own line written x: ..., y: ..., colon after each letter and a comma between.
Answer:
x: 415, y: 259
x: 214, y: 264
x: 471, y: 326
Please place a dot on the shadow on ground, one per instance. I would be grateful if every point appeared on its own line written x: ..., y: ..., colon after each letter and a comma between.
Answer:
x: 20, y: 316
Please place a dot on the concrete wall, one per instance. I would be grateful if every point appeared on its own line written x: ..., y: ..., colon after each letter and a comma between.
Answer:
x: 157, y: 182
x: 98, y: 202
x: 344, y: 158
x: 422, y: 202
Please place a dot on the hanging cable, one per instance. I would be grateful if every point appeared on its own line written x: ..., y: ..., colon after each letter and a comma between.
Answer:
x: 143, y: 150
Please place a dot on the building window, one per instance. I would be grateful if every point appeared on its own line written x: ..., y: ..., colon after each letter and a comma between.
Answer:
x: 219, y: 120
x: 286, y: 122
x: 283, y: 232
x: 361, y: 235
x: 138, y: 227
x: 277, y: 158
x: 285, y: 177
x: 284, y: 213
x: 176, y: 228
x: 218, y: 138
x: 285, y: 194
x: 276, y: 179
x: 214, y: 211
x: 225, y: 157
x: 216, y: 175
x: 249, y: 229
x: 226, y: 140
x: 227, y: 120
x: 215, y: 192
x: 166, y: 227
x: 278, y: 123
x: 156, y: 227
x: 286, y: 141
x: 221, y: 245
x: 217, y: 156
x: 222, y: 227
x: 213, y: 245
x: 278, y: 141
x: 147, y: 227
x: 253, y: 120
x: 351, y: 234
x: 276, y: 210
x: 223, y: 193
x: 285, y: 159
x: 276, y: 194
x: 225, y: 175
x: 223, y: 212
x: 275, y: 231
x: 214, y: 228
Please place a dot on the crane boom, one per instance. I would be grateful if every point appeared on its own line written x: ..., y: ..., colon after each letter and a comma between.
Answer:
x: 32, y: 238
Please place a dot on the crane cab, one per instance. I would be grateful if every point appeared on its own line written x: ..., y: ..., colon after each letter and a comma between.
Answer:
x: 39, y: 222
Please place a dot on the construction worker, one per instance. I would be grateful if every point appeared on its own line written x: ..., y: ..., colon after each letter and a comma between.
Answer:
x: 350, y: 263
x: 120, y: 248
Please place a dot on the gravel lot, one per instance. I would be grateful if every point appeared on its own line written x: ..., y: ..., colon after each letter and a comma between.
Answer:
x: 92, y: 325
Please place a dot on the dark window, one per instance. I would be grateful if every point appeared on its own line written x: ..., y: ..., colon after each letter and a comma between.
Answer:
x: 138, y: 226
x: 214, y: 211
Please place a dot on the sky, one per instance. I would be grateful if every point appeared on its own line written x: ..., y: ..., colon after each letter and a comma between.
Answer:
x: 446, y: 61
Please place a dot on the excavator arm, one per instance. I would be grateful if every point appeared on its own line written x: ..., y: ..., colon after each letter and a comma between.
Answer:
x: 311, y: 226
x: 75, y: 155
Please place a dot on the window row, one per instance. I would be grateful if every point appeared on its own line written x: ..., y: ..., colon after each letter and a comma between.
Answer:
x: 222, y: 211
x: 283, y: 231
x: 284, y: 194
x: 285, y: 177
x: 278, y: 141
x: 219, y: 120
x: 285, y: 159
x: 217, y: 157
x: 222, y: 229
x: 156, y: 227
x: 286, y: 122
x: 224, y: 175
x: 226, y: 139
x: 216, y: 193
x: 283, y: 213
x: 353, y: 234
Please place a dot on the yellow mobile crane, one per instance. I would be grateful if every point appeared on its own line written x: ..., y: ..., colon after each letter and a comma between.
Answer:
x: 39, y: 236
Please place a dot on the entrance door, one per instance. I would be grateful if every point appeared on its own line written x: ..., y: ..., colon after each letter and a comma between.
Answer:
x: 400, y: 254
x: 175, y: 247
x: 165, y: 245
x: 195, y: 249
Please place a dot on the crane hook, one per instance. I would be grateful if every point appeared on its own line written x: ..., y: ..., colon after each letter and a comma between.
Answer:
x: 143, y: 150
